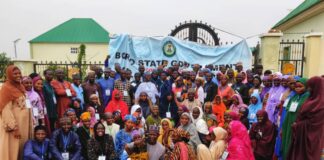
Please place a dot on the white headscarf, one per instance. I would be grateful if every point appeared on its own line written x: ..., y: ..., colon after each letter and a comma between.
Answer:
x: 200, y: 123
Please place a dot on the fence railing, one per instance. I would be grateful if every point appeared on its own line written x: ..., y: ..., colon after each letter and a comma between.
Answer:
x: 292, y: 52
x: 68, y: 67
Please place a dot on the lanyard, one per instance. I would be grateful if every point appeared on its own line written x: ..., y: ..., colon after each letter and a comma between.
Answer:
x: 65, y: 141
x: 169, y: 108
x: 88, y: 132
x: 42, y: 150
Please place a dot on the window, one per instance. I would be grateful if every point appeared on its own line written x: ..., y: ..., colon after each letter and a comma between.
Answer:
x: 74, y: 50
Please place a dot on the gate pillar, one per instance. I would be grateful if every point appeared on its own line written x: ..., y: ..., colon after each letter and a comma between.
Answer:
x: 314, y: 55
x: 269, y: 51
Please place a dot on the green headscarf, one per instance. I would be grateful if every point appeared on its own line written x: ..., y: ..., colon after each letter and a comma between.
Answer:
x: 303, y: 81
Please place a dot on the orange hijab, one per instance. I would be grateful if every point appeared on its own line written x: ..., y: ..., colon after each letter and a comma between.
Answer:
x: 219, y: 110
x: 10, y: 90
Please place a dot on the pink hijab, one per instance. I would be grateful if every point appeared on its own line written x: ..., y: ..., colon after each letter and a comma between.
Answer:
x: 239, y: 146
x: 241, y: 104
x: 93, y: 120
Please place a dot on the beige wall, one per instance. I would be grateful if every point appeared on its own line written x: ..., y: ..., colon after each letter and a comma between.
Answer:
x: 62, y: 52
x: 269, y: 51
x: 314, y: 24
x: 26, y: 66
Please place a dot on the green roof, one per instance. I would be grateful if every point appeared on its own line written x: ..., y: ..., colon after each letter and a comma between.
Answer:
x: 75, y: 30
x: 301, y: 8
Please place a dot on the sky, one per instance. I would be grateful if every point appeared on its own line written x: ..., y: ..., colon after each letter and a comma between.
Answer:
x: 26, y: 19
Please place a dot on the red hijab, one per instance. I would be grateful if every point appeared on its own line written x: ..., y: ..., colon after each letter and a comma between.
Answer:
x: 117, y: 104
x: 10, y: 90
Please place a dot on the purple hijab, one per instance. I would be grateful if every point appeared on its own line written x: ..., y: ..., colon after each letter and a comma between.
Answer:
x: 275, y: 94
x: 265, y: 89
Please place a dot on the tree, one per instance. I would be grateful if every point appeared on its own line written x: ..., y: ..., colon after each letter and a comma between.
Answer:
x: 4, y: 62
x: 82, y: 60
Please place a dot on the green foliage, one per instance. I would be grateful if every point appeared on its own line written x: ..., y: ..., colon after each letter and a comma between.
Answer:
x: 4, y: 62
x: 82, y: 60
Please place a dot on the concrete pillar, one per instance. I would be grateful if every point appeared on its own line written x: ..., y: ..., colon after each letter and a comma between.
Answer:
x: 313, y: 55
x: 26, y: 66
x: 269, y: 51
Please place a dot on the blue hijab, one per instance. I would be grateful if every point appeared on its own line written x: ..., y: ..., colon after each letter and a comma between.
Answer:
x: 253, y: 108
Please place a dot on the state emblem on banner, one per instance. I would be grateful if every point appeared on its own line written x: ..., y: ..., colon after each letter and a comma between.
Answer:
x: 169, y: 49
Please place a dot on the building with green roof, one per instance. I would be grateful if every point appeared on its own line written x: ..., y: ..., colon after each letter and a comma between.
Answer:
x: 62, y: 42
x: 295, y: 44
x: 305, y: 18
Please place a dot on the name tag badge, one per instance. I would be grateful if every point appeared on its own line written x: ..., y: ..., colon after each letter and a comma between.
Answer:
x: 252, y: 116
x: 205, y: 95
x: 293, y: 107
x: 168, y: 114
x: 28, y: 104
x: 35, y: 112
x: 68, y: 92
x: 65, y: 155
x: 178, y: 94
x: 107, y: 92
x: 260, y: 133
x: 286, y: 103
x: 125, y: 93
x: 281, y: 96
x: 54, y: 100
x: 133, y: 84
x: 224, y: 155
x: 102, y: 158
x: 97, y: 116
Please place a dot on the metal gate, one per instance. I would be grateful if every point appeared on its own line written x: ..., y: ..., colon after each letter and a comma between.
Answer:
x: 291, y: 57
x: 68, y: 67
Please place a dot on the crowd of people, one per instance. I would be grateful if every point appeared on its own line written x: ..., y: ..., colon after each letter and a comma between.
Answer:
x: 171, y: 113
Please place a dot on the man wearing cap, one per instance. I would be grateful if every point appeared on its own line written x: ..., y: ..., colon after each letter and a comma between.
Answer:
x: 155, y: 149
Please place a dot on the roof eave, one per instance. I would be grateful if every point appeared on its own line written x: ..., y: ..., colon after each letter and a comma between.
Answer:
x: 303, y: 16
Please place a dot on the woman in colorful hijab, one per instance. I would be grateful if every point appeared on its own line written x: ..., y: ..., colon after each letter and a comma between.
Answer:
x: 237, y: 103
x: 15, y: 116
x: 189, y: 127
x: 239, y: 146
x: 219, y: 109
x: 165, y: 133
x: 182, y: 150
x: 225, y: 91
x: 181, y: 109
x: 200, y: 124
x: 93, y: 120
x: 117, y: 103
x: 263, y: 134
x: 292, y: 111
x: 289, y: 93
x: 124, y: 136
x: 38, y: 88
x: 274, y: 98
x: 308, y: 130
x: 84, y: 132
x: 101, y: 144
x: 140, y: 120
x: 267, y: 82
x: 219, y: 144
x: 243, y: 113
x: 255, y: 105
